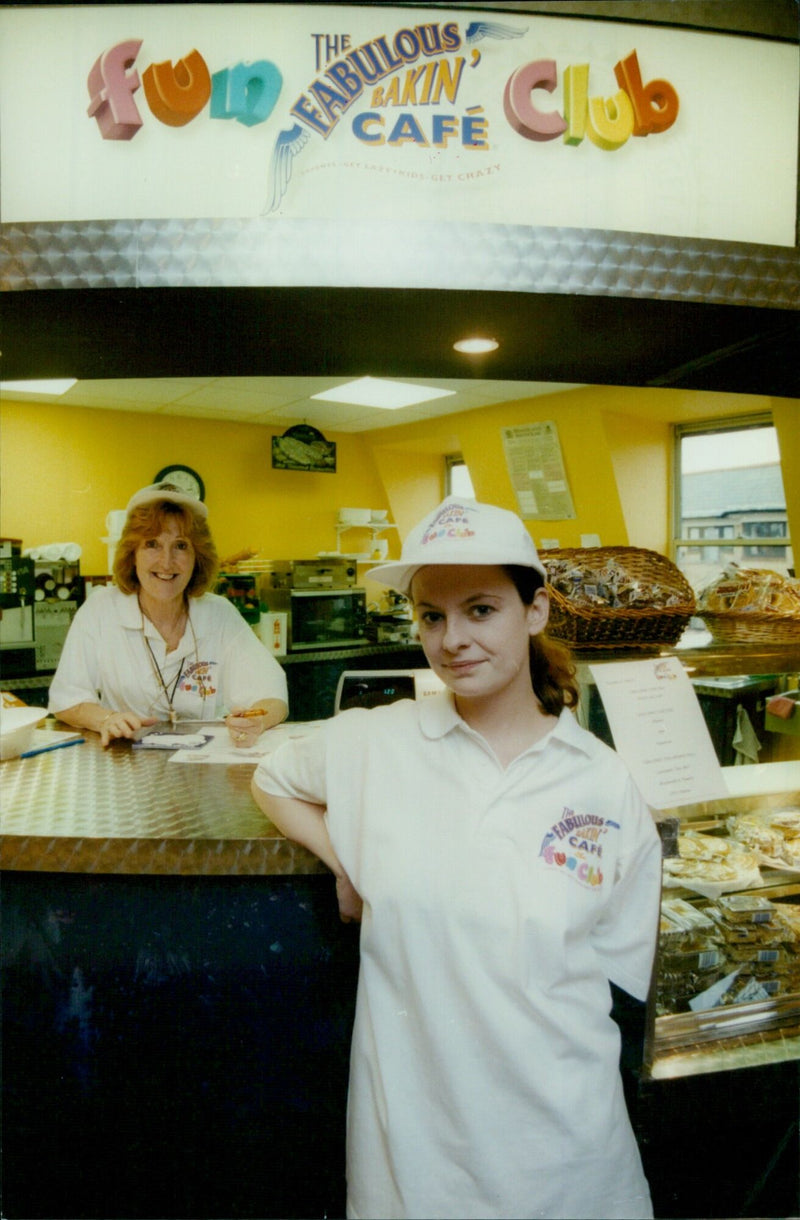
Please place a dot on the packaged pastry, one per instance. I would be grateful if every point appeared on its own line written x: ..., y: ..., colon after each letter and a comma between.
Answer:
x: 753, y: 831
x: 787, y: 821
x: 686, y: 917
x: 604, y: 581
x: 755, y: 955
x: 749, y: 991
x: 718, y: 871
x: 700, y: 959
x: 750, y: 590
x: 788, y: 914
x: 746, y: 908
x: 693, y: 845
x: 675, y: 988
x: 771, y: 933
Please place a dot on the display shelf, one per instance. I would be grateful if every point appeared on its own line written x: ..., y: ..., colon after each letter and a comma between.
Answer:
x: 709, y: 661
x: 373, y: 527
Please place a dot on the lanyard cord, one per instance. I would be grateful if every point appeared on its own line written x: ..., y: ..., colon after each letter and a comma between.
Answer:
x: 169, y: 695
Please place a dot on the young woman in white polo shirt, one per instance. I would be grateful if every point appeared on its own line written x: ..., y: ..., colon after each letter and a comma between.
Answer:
x: 508, y: 870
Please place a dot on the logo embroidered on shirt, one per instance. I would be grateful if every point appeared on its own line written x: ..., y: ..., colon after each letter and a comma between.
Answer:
x: 575, y: 844
x: 198, y: 679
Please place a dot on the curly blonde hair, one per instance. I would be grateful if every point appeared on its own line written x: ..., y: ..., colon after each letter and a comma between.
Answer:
x: 148, y: 521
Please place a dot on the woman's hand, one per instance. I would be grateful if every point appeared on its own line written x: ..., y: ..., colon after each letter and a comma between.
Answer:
x: 246, y: 724
x: 351, y: 904
x: 110, y: 725
x: 121, y: 724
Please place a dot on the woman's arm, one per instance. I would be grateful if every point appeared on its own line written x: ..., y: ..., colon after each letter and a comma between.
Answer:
x: 109, y: 724
x: 304, y: 823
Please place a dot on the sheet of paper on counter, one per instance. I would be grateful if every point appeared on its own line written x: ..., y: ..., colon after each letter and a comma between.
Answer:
x: 220, y: 748
x: 658, y: 728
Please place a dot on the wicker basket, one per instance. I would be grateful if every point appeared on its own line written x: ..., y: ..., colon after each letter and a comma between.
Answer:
x: 753, y: 627
x: 598, y: 626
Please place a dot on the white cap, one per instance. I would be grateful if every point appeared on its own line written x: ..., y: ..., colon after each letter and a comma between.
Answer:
x: 166, y: 491
x: 461, y: 531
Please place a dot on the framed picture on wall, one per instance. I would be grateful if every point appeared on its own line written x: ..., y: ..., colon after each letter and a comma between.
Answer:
x: 304, y: 448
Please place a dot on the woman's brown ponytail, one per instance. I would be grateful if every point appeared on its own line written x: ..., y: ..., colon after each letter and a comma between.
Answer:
x: 552, y: 669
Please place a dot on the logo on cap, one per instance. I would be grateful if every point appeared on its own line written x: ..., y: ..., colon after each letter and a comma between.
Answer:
x: 450, y: 522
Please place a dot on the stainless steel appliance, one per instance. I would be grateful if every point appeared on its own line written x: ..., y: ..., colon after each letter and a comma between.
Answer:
x: 325, y: 572
x: 52, y: 622
x: 376, y: 687
x: 17, y: 632
x: 59, y: 592
x: 324, y: 606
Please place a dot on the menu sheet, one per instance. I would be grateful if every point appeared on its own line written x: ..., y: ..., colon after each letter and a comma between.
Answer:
x: 219, y: 748
x: 659, y: 730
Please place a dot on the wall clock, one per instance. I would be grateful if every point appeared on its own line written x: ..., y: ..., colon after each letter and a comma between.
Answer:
x: 184, y: 478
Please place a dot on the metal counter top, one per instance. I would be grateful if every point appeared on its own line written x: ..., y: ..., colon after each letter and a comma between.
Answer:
x: 119, y: 810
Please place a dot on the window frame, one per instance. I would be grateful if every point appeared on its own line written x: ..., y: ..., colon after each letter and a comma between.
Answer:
x: 739, y: 423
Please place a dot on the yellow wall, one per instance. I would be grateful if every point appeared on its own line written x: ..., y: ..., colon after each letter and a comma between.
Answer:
x: 64, y: 468
x: 478, y: 436
x: 786, y: 414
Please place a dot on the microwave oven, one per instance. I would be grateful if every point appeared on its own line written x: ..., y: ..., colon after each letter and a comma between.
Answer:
x: 319, y: 619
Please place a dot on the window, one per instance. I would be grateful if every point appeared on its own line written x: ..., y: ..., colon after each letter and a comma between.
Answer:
x: 764, y: 529
x: 457, y: 477
x: 729, y: 499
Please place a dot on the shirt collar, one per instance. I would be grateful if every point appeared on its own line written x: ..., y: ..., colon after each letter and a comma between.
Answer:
x: 131, y: 617
x: 438, y: 717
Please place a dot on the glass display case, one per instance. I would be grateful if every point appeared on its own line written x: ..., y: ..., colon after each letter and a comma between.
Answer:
x: 726, y: 990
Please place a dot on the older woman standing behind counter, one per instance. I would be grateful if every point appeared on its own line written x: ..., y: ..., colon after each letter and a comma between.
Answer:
x: 159, y: 645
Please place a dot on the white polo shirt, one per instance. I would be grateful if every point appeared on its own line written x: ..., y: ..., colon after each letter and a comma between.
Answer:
x: 497, y: 905
x: 219, y: 662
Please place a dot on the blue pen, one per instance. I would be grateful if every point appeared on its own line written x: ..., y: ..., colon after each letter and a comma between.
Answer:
x: 60, y: 745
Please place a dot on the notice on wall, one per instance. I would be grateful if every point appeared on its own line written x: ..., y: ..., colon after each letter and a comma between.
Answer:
x: 536, y: 468
x: 659, y: 730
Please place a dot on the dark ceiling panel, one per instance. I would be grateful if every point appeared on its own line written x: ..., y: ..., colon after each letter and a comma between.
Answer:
x: 397, y: 332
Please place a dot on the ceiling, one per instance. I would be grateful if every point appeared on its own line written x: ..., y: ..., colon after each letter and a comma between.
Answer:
x: 257, y: 353
x: 280, y: 401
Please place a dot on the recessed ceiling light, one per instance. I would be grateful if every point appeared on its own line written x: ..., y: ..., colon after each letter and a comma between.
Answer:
x: 374, y: 392
x: 476, y: 346
x: 55, y: 386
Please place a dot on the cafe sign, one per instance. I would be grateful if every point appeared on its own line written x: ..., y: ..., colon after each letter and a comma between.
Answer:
x: 381, y: 112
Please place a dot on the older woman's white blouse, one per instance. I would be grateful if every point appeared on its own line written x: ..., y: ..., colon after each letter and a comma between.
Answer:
x: 219, y: 662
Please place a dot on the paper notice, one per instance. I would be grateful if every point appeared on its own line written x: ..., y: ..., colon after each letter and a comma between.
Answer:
x: 659, y: 730
x: 536, y: 468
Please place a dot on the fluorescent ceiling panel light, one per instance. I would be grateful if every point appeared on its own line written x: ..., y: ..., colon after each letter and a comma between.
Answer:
x: 55, y: 386
x: 476, y: 346
x: 374, y: 392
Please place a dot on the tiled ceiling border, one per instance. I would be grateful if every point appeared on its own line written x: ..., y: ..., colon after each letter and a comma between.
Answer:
x: 303, y: 253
